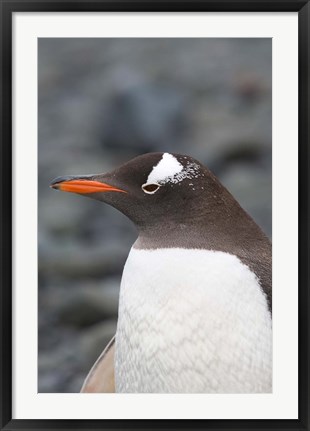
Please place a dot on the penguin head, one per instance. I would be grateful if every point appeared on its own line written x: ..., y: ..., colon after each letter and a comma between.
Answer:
x: 151, y: 189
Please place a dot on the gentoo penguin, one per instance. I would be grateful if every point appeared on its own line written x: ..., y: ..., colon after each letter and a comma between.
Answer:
x: 195, y: 299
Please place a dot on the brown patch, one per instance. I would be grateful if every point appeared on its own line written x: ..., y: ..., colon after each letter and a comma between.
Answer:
x: 101, y: 377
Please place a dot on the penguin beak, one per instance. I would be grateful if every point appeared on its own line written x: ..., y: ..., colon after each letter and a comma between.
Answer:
x: 82, y: 184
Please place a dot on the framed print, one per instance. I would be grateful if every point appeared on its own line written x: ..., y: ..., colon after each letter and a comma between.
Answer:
x: 191, y: 120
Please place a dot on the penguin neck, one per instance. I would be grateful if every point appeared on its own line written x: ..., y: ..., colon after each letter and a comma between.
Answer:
x: 214, y: 230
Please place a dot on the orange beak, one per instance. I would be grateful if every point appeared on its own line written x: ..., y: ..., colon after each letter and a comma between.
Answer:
x: 82, y: 186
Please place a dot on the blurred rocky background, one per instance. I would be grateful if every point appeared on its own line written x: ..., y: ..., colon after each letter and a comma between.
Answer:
x: 102, y: 102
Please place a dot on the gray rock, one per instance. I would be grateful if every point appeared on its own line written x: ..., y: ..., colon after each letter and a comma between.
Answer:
x: 72, y: 260
x: 85, y: 304
x: 252, y: 189
x: 88, y: 305
x: 93, y: 340
x: 64, y: 368
x: 144, y: 119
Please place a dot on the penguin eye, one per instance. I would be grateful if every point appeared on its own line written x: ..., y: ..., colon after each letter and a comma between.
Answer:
x: 150, y: 188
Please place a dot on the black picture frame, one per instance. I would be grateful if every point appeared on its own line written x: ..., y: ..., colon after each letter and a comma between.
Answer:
x: 7, y: 10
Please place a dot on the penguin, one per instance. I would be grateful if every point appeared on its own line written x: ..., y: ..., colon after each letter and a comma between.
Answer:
x: 195, y: 306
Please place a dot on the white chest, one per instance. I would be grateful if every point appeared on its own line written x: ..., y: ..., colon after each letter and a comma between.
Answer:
x: 191, y: 321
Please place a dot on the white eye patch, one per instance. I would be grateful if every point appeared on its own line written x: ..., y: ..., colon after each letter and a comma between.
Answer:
x: 170, y: 170
x: 167, y: 167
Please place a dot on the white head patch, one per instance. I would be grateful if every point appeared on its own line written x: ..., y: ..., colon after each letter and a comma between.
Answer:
x: 169, y: 169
